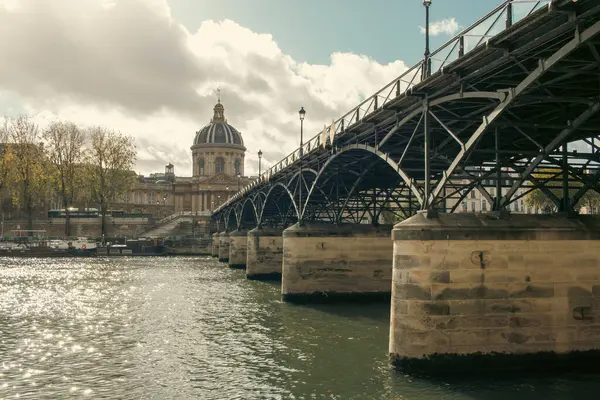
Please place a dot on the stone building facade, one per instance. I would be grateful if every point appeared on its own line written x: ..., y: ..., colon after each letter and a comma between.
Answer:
x: 218, y: 154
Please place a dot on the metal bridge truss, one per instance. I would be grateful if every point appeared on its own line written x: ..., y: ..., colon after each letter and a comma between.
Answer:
x: 489, y: 120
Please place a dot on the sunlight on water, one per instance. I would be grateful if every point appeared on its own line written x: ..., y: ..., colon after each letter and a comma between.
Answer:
x: 184, y: 328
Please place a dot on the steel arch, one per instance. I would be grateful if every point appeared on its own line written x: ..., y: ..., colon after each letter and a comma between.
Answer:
x: 268, y: 196
x: 383, y: 156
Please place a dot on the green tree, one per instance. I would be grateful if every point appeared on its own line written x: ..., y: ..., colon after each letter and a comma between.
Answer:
x: 389, y: 217
x: 64, y: 145
x: 28, y: 174
x: 109, y: 161
x: 552, y: 180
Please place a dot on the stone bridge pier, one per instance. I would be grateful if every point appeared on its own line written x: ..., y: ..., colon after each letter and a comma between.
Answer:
x: 264, y: 253
x: 215, y: 245
x: 324, y: 262
x: 224, y: 246
x: 238, y: 241
x: 471, y: 289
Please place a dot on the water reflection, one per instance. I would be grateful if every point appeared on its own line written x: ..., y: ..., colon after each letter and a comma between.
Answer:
x: 191, y: 328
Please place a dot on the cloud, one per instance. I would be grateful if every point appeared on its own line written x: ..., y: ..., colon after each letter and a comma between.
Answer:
x: 128, y: 65
x: 442, y: 27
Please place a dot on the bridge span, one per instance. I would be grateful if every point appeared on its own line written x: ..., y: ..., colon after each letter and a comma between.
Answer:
x: 506, y: 108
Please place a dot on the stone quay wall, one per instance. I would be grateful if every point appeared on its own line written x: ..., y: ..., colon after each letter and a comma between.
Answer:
x: 88, y: 227
x: 472, y: 288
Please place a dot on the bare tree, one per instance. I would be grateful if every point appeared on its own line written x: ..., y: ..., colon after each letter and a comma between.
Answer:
x: 109, y: 162
x: 5, y: 154
x: 64, y: 145
x: 28, y: 171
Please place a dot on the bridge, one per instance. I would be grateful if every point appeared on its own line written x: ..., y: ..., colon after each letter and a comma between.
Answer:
x: 513, y: 95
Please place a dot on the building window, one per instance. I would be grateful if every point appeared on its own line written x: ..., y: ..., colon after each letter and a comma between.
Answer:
x: 151, y: 197
x: 472, y: 194
x: 237, y: 165
x: 201, y: 166
x: 219, y: 165
x: 473, y: 206
x: 464, y: 206
x: 483, y: 205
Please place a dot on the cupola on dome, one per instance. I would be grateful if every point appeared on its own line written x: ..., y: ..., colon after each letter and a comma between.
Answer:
x: 219, y: 132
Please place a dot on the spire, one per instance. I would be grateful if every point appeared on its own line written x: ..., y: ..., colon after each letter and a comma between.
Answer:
x: 219, y: 115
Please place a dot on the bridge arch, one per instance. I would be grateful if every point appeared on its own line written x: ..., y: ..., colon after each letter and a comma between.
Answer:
x: 248, y: 215
x: 305, y: 171
x: 378, y: 157
x: 273, y: 204
x: 230, y: 219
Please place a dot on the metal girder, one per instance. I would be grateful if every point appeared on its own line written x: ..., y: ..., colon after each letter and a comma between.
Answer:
x: 513, y: 93
x: 379, y: 154
x: 562, y: 136
x: 435, y: 102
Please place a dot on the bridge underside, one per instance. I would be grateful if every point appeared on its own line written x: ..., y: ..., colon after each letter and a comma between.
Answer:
x: 492, y: 119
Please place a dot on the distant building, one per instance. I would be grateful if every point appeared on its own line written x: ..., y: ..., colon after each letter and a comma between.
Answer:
x: 218, y: 154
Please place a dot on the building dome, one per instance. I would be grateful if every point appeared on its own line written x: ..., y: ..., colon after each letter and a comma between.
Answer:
x: 219, y: 132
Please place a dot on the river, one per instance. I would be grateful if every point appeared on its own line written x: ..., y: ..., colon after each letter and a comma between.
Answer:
x: 191, y: 328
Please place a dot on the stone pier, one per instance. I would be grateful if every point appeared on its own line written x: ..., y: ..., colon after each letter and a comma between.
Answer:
x: 238, y: 241
x: 264, y: 253
x: 215, y: 245
x: 224, y: 246
x: 485, y: 291
x: 325, y: 262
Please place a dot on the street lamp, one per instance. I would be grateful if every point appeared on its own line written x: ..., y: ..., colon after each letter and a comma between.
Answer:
x: 302, y: 114
x: 239, y: 176
x: 259, y: 158
x: 427, y: 60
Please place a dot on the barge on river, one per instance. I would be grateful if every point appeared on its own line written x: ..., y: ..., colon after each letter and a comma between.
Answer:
x: 36, y: 246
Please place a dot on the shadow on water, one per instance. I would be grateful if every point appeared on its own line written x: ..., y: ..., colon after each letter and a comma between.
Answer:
x: 516, y: 385
x: 377, y: 311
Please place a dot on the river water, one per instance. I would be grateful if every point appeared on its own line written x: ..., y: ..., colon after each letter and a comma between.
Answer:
x: 191, y: 328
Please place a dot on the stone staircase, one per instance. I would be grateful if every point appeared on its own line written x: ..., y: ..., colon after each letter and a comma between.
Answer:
x: 176, y: 225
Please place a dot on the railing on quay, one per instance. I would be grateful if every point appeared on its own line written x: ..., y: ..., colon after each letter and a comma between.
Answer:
x: 466, y: 41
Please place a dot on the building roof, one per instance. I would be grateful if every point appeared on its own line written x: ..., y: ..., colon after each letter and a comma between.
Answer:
x: 219, y: 132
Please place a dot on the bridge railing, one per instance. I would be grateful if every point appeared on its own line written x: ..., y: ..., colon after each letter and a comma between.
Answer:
x: 470, y: 38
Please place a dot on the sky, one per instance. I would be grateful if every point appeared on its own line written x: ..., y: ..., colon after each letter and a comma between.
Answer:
x: 151, y: 68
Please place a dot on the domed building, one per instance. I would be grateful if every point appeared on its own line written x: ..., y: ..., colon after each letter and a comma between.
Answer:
x: 218, y: 153
x: 218, y: 148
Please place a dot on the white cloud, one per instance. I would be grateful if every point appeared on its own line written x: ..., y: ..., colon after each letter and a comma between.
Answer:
x: 442, y: 27
x: 128, y: 65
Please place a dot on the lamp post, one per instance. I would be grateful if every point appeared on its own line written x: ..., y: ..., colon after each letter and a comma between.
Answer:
x: 259, y: 158
x: 427, y: 60
x: 239, y: 176
x: 302, y: 114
